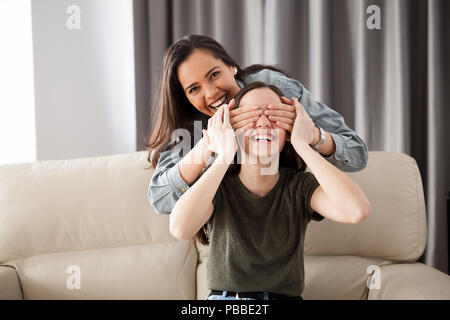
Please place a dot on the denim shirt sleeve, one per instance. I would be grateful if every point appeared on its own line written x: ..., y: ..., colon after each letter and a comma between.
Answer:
x: 167, y: 185
x: 351, y: 151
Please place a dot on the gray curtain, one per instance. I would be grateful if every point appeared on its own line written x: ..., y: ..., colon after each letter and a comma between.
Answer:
x: 391, y: 84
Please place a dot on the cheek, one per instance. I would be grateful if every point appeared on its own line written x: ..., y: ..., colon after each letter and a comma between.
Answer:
x: 281, y: 139
x: 229, y: 84
x: 193, y: 100
x: 196, y: 101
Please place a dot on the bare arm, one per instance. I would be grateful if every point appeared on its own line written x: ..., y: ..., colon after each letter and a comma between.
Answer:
x: 338, y: 197
x: 192, y: 164
x: 195, y: 207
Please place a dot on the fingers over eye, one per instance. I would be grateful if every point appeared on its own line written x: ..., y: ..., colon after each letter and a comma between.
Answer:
x: 240, y: 110
x: 243, y: 127
x: 284, y: 126
x: 282, y: 119
x: 244, y: 122
x: 284, y: 107
x: 245, y: 116
x: 280, y: 113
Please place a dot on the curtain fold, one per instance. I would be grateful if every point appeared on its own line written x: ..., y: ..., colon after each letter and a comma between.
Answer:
x: 438, y: 147
x: 390, y: 84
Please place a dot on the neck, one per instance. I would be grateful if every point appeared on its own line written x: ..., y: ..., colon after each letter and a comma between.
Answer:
x: 259, y: 178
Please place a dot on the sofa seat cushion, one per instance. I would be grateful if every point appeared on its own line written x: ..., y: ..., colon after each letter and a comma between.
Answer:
x: 154, y: 271
x: 411, y: 281
x: 339, y: 277
x: 9, y: 284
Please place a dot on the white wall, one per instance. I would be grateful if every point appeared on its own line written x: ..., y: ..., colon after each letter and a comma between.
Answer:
x: 84, y: 78
x: 17, y: 123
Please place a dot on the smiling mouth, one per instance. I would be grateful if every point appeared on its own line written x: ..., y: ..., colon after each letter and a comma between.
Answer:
x: 263, y: 138
x: 216, y: 105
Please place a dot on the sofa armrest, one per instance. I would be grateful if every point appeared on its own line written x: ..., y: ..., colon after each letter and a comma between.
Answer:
x: 410, y: 281
x: 10, y: 288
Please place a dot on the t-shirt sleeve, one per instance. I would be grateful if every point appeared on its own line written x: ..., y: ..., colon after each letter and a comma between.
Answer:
x: 307, y: 183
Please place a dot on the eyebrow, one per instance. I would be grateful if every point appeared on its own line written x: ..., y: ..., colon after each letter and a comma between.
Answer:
x: 206, y: 75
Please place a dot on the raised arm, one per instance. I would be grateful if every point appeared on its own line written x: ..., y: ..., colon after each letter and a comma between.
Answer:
x: 343, y: 147
x: 174, y: 172
x: 195, y: 207
x: 338, y: 197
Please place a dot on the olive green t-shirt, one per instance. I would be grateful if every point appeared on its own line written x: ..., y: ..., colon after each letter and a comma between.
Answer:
x: 256, y: 243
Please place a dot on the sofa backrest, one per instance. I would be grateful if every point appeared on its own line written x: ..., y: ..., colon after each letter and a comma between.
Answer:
x: 396, y: 227
x: 90, y: 220
x: 88, y: 223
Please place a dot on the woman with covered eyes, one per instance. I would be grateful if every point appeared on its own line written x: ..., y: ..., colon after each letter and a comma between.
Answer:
x: 255, y: 222
x: 198, y: 77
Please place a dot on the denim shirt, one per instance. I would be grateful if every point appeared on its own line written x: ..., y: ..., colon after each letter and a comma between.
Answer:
x: 167, y: 185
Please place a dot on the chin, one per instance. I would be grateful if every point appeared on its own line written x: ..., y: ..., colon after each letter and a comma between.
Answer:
x: 261, y: 155
x: 207, y: 112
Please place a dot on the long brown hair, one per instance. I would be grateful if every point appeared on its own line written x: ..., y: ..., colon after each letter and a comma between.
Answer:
x: 289, y: 158
x: 173, y: 109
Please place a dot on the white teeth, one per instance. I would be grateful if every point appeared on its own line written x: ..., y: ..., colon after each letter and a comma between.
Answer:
x: 219, y: 102
x: 262, y: 138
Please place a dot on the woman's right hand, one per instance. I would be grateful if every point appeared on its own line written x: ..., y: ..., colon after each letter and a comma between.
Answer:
x: 220, y: 136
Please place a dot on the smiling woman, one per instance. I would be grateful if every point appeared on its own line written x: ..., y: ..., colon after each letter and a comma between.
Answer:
x: 207, y: 91
x: 257, y: 247
x: 198, y: 77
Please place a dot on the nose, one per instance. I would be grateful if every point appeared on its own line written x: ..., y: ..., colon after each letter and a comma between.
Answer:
x: 263, y: 122
x: 211, y: 93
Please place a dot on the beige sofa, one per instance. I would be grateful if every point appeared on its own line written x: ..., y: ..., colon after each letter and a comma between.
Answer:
x: 84, y: 229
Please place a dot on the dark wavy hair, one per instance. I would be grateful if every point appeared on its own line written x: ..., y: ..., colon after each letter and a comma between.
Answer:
x: 288, y: 156
x: 173, y: 109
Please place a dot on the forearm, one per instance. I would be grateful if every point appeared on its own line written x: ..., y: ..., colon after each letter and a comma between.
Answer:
x: 192, y: 209
x: 350, y: 152
x: 192, y: 164
x: 342, y: 191
x: 328, y: 148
